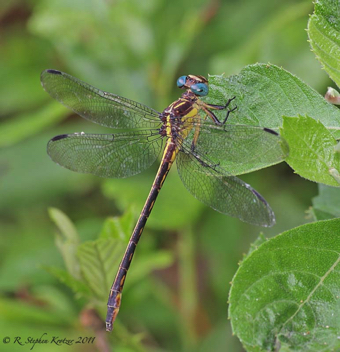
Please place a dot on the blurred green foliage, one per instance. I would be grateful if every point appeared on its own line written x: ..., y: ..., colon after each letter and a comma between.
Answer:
x: 135, y: 49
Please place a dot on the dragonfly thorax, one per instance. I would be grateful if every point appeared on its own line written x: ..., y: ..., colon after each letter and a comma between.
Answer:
x: 178, y: 116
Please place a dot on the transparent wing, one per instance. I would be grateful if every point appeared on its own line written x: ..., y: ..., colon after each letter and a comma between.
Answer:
x: 93, y: 104
x: 227, y: 194
x: 106, y: 155
x: 237, y: 148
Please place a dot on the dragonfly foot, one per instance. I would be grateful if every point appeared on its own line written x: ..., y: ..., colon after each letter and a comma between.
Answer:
x: 229, y: 111
x: 229, y: 101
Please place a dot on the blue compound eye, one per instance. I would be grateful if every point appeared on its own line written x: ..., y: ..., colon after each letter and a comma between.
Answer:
x: 181, y: 81
x: 200, y: 89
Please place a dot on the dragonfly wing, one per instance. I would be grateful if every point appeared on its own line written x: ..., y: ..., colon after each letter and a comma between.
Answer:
x: 107, y: 155
x: 227, y: 194
x: 239, y: 148
x: 93, y: 104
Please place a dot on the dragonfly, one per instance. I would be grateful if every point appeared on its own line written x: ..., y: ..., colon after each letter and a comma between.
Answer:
x: 187, y: 131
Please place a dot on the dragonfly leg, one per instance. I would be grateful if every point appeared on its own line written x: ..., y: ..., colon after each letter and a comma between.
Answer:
x: 208, y: 107
x: 204, y: 164
x: 228, y: 112
x: 220, y: 107
x: 196, y: 134
x: 214, y: 117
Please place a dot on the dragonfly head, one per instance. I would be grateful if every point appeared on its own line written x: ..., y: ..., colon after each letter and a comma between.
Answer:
x: 197, y: 84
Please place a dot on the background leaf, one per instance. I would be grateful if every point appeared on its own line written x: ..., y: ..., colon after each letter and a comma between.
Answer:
x: 67, y: 240
x: 323, y: 32
x: 326, y: 205
x: 266, y: 93
x: 312, y: 151
x: 286, y: 293
x: 118, y: 227
x: 99, y: 261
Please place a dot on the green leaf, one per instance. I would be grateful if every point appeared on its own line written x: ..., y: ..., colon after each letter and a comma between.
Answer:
x: 312, y: 152
x: 323, y: 32
x: 319, y: 215
x: 65, y: 225
x: 99, y: 262
x: 265, y: 93
x: 118, y: 227
x: 255, y: 245
x: 286, y: 293
x: 327, y: 203
x: 67, y: 241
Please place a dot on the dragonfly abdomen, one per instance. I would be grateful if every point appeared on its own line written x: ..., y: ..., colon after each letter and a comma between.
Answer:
x: 114, y: 301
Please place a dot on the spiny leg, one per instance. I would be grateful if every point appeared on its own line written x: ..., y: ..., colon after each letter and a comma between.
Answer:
x: 228, y: 112
x: 196, y: 134
x: 208, y: 107
x: 220, y: 107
